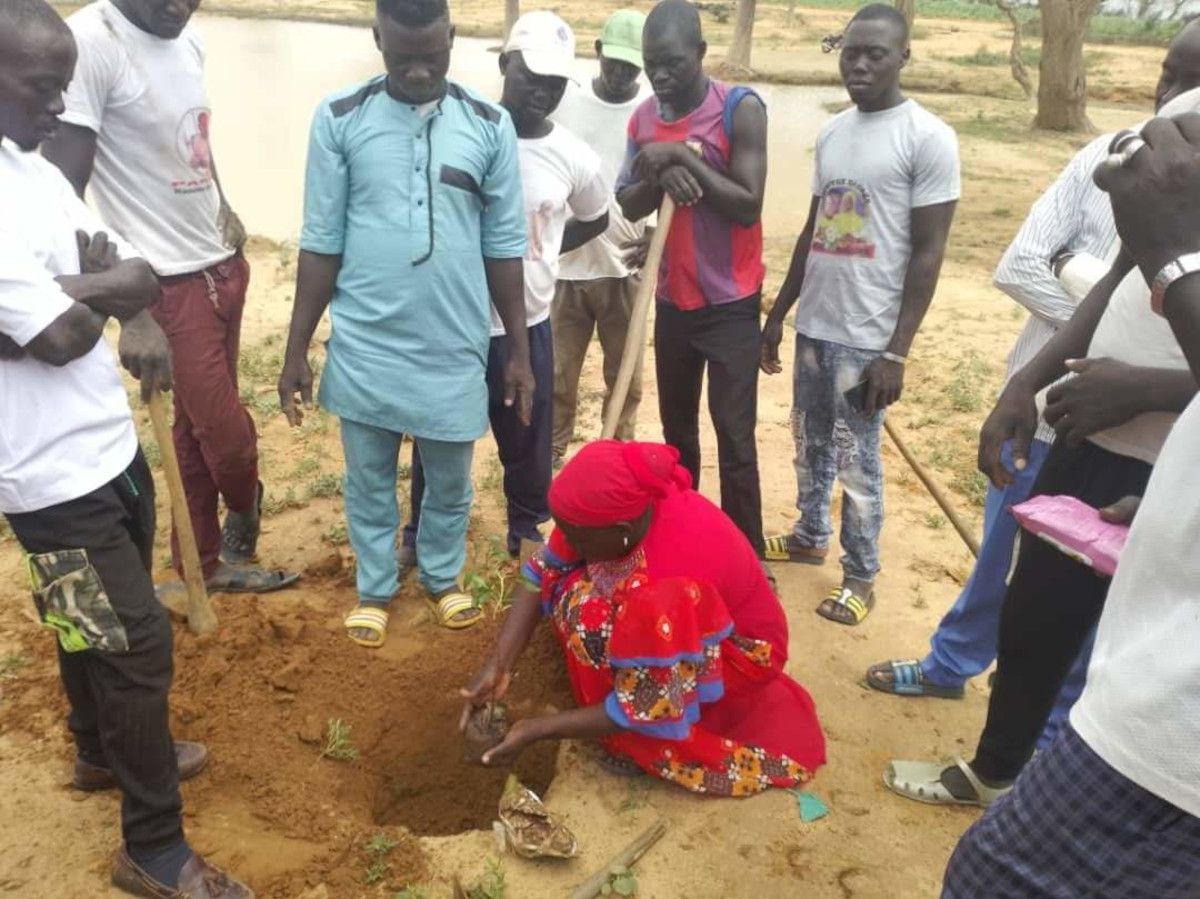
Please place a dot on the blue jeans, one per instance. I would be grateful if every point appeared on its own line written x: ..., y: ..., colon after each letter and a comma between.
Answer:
x: 964, y: 645
x: 836, y: 442
x: 373, y: 515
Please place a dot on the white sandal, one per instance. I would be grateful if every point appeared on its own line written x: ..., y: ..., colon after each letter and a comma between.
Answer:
x: 922, y: 782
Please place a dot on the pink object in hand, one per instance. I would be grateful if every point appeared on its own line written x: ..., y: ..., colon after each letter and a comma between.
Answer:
x: 1076, y: 529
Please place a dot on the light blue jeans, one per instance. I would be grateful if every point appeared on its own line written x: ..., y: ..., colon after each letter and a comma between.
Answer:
x: 964, y: 645
x: 835, y: 442
x: 373, y: 514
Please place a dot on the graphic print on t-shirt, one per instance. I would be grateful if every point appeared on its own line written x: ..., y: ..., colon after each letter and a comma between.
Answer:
x: 192, y: 142
x: 539, y: 224
x: 843, y: 221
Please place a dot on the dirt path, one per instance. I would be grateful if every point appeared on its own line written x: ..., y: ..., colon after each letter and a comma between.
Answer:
x: 262, y: 690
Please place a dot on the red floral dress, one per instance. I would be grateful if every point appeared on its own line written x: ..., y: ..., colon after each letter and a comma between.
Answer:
x: 700, y: 704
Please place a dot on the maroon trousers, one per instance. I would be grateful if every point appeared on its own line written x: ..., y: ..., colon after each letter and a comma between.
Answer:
x: 214, y: 435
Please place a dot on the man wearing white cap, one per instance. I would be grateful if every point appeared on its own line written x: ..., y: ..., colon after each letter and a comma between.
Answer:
x: 596, y: 287
x: 566, y: 205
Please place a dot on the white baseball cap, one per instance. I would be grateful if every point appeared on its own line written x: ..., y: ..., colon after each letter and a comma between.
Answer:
x: 546, y: 42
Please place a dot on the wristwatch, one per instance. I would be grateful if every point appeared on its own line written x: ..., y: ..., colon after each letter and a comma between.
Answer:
x: 1171, y: 272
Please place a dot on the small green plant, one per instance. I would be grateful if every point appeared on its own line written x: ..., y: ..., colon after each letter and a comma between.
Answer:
x: 307, y: 467
x: 934, y: 521
x: 971, y: 483
x: 378, y: 848
x: 621, y: 882
x: 336, y: 535
x: 491, y: 580
x: 337, y: 742
x: 324, y: 486
x: 11, y: 664
x: 492, y: 884
x: 273, y: 505
x: 963, y: 392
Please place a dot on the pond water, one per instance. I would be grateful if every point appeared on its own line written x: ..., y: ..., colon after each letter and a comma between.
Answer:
x: 265, y: 78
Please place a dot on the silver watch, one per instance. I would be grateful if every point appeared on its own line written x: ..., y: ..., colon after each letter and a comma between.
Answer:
x: 1170, y: 273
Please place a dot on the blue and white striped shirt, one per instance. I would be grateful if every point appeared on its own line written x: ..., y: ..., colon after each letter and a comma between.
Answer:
x: 1073, y: 214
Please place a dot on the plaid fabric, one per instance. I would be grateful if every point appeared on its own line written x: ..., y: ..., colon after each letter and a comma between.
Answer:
x: 1075, y: 828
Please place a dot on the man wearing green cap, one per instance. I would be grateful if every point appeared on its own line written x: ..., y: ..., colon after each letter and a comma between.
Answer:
x: 597, y: 282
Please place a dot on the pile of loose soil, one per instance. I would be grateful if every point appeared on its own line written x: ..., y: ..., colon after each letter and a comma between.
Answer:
x: 260, y: 693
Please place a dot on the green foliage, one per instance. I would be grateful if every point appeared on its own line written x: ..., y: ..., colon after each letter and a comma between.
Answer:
x: 337, y: 742
x: 493, y: 576
x: 273, y: 505
x: 492, y: 884
x: 378, y: 848
x: 621, y: 882
x: 971, y: 483
x: 336, y: 535
x: 324, y: 486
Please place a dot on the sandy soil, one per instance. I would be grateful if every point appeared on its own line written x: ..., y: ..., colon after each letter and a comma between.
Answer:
x: 259, y: 691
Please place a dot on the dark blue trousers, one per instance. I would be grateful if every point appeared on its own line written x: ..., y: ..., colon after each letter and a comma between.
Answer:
x: 525, y: 451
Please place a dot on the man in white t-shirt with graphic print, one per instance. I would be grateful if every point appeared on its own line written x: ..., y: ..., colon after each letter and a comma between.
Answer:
x: 566, y: 205
x: 597, y: 283
x: 74, y: 486
x: 137, y: 128
x: 885, y: 186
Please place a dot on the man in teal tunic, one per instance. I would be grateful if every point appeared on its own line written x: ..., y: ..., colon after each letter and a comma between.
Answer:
x: 413, y: 226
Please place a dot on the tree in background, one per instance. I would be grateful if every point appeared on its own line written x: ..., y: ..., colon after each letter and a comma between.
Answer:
x: 1062, y: 79
x: 1015, y: 62
x: 743, y: 33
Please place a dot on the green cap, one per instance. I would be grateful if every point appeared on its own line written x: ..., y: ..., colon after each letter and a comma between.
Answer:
x: 622, y: 36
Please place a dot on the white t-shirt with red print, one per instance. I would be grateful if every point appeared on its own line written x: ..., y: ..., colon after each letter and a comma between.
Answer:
x: 144, y: 97
x: 561, y: 180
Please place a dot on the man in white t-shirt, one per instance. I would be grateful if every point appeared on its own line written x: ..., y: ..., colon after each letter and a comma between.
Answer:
x: 1112, y: 808
x: 566, y: 205
x: 596, y: 283
x: 137, y: 127
x: 885, y: 186
x: 74, y: 486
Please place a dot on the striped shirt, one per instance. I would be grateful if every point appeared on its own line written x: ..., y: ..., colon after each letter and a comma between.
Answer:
x: 708, y: 260
x: 1073, y: 214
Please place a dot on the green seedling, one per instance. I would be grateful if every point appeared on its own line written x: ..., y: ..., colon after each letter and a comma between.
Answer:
x: 378, y: 848
x: 492, y: 884
x: 337, y: 742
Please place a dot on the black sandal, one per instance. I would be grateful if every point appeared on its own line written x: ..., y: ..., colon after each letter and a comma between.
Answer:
x: 239, y: 536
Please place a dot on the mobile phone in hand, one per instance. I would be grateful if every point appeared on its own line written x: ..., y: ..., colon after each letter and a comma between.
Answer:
x: 856, y: 397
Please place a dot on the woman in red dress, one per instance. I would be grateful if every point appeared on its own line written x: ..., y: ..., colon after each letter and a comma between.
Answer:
x: 674, y: 640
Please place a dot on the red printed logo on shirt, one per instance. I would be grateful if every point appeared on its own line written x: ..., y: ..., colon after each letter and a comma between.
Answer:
x: 192, y: 142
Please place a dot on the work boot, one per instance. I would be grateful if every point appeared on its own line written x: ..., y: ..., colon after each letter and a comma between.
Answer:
x: 197, y: 880
x: 239, y: 536
x: 191, y: 757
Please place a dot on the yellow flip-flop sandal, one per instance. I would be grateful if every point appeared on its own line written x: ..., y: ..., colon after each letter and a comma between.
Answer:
x: 449, y: 605
x: 367, y: 618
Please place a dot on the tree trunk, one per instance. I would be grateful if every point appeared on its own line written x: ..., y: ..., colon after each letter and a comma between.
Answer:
x: 909, y: 8
x: 512, y: 12
x: 743, y: 32
x: 1062, y: 82
x: 1015, y: 62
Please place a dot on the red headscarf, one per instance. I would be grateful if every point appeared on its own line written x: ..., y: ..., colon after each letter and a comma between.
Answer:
x: 609, y: 482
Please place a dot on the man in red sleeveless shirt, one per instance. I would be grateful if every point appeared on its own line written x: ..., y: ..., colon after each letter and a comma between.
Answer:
x: 697, y: 141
